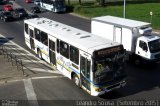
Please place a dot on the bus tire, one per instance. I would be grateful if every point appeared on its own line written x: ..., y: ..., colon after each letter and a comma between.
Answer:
x: 76, y: 80
x: 39, y: 54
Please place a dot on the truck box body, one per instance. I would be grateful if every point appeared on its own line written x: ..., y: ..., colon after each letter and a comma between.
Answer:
x: 121, y: 30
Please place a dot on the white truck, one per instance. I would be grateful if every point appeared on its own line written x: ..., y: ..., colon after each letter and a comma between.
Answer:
x: 141, y: 44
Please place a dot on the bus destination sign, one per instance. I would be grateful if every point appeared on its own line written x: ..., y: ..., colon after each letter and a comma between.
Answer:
x: 108, y: 51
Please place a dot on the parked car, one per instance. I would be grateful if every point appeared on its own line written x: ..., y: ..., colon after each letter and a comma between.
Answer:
x: 7, y: 7
x: 37, y: 2
x: 28, y: 1
x: 6, y: 16
x: 20, y: 13
x: 35, y: 9
x: 32, y: 16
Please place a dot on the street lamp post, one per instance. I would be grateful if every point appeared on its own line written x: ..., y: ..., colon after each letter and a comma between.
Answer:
x: 151, y: 13
x: 124, y: 10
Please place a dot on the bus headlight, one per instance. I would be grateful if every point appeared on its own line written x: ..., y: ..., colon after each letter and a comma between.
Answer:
x: 98, y: 89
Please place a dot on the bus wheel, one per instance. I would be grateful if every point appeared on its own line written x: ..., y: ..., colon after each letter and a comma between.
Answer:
x: 39, y: 54
x: 76, y: 80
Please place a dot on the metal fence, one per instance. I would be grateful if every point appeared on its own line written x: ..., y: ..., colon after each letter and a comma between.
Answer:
x: 9, y: 55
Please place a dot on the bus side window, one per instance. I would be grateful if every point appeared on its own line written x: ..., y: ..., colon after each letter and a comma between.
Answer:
x: 37, y: 34
x: 26, y: 28
x: 31, y: 33
x: 88, y: 69
x: 64, y: 49
x: 57, y: 46
x: 74, y: 55
x: 44, y: 38
x: 52, y: 45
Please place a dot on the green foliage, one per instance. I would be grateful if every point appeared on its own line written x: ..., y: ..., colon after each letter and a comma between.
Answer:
x: 133, y: 11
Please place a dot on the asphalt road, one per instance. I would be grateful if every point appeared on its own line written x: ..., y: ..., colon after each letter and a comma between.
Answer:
x: 142, y: 82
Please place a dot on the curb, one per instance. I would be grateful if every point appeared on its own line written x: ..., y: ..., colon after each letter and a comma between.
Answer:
x: 80, y: 16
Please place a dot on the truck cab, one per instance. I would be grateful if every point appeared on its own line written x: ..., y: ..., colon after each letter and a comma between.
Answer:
x: 148, y: 48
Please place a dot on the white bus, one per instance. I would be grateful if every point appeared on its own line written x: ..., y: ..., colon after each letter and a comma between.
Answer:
x: 53, y: 5
x: 96, y: 65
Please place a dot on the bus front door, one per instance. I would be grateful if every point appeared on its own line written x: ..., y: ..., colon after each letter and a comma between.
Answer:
x: 31, y: 34
x: 52, y: 54
x: 85, y: 72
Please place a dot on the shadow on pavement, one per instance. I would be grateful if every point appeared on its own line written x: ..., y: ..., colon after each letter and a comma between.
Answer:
x: 139, y: 79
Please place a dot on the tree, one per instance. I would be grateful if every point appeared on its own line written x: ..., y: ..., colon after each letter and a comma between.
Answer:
x: 80, y: 2
x: 68, y: 2
x: 101, y: 2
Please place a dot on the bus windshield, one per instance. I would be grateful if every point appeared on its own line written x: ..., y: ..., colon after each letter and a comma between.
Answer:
x: 154, y: 46
x: 109, y: 67
x: 59, y: 4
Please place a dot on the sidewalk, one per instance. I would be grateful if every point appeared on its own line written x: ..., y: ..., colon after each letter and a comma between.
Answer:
x: 17, y: 63
x: 8, y: 72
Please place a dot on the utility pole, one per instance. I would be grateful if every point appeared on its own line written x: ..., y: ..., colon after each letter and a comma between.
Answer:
x: 151, y: 13
x: 124, y: 9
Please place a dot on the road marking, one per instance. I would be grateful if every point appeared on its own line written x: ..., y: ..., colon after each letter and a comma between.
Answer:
x: 31, y: 96
x: 33, y: 78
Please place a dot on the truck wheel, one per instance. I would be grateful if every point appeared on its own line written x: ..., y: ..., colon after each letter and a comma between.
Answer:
x: 76, y: 80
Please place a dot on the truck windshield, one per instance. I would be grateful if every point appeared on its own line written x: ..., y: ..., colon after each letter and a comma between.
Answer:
x: 109, y: 68
x: 154, y: 46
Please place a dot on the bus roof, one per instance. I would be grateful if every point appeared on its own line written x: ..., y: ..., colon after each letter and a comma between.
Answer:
x: 76, y: 37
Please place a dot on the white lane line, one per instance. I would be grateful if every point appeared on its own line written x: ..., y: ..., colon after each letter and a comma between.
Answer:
x: 31, y: 96
x: 33, y: 78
